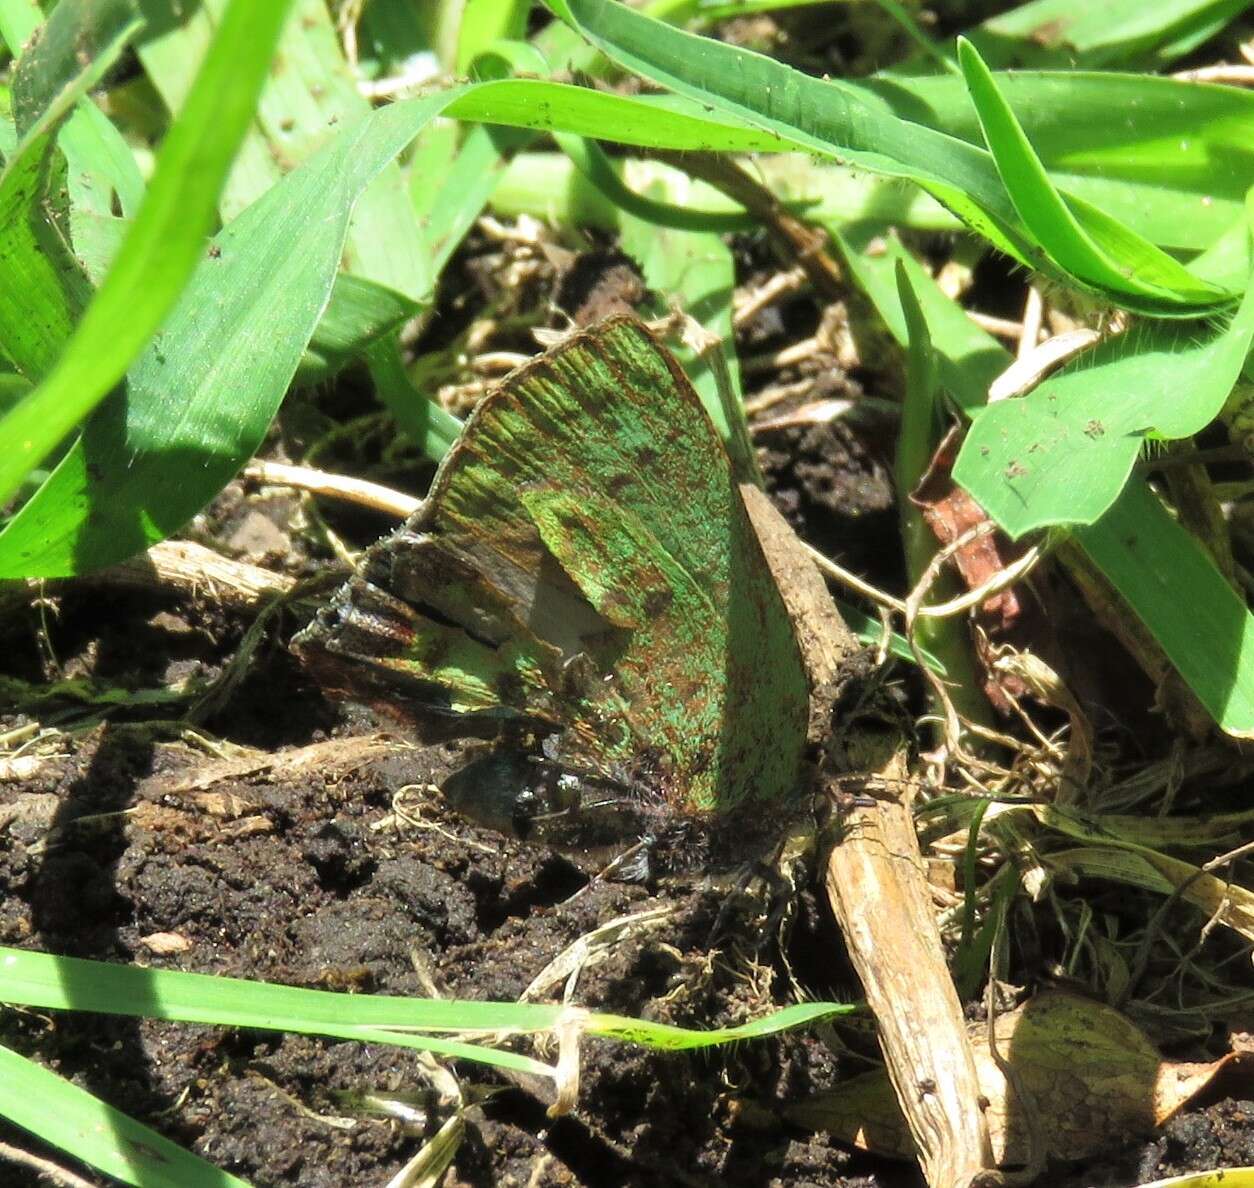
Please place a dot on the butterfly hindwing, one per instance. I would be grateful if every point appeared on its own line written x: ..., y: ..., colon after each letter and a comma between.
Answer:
x: 587, y: 537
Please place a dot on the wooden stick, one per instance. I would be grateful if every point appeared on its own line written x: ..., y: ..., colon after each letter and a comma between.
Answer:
x: 176, y: 567
x: 877, y: 885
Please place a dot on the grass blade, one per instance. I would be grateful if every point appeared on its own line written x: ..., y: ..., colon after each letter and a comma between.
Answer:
x: 1065, y: 34
x: 100, y: 161
x: 201, y: 397
x: 1166, y: 577
x: 1123, y: 262
x: 163, y: 246
x: 851, y: 122
x: 1203, y: 131
x: 84, y: 1126
x: 71, y: 983
x: 42, y: 288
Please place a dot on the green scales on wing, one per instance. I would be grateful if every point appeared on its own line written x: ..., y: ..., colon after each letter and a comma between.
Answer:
x: 584, y: 566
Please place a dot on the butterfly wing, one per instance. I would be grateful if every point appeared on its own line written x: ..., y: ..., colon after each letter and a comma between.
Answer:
x: 584, y: 560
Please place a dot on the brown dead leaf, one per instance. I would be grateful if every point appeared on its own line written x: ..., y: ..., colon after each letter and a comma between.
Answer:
x: 950, y: 512
x: 248, y: 827
x: 1093, y: 1077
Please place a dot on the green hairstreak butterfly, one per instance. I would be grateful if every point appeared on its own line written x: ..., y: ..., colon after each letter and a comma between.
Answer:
x: 583, y: 578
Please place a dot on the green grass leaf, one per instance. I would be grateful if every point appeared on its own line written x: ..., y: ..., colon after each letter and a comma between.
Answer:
x: 80, y: 42
x: 163, y: 246
x: 1167, y: 578
x: 853, y: 124
x: 1201, y: 132
x: 1105, y: 255
x: 967, y: 358
x: 85, y: 1127
x: 547, y: 185
x: 303, y: 105
x: 358, y: 313
x: 42, y: 288
x: 71, y: 983
x: 429, y: 426
x: 224, y: 357
x: 1066, y: 34
x: 74, y: 48
x: 201, y: 396
x: 485, y: 21
x: 1062, y: 453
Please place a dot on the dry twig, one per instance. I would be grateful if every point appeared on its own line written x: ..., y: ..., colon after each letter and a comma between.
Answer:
x: 877, y: 885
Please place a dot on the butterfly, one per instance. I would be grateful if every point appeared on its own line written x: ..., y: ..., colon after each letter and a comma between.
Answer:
x: 584, y: 582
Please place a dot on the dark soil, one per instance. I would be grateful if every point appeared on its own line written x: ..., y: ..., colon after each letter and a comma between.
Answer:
x: 271, y: 866
x: 280, y: 859
x: 275, y: 852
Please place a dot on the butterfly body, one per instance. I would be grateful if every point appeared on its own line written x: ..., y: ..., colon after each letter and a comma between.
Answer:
x: 583, y: 571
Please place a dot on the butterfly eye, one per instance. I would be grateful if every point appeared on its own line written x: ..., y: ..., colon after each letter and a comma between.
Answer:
x: 527, y: 806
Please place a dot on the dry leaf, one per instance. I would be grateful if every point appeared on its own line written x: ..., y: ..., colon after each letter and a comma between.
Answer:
x: 1094, y: 1080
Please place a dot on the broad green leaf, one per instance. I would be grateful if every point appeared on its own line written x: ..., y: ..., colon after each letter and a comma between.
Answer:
x: 42, y: 289
x: 358, y: 313
x: 1062, y: 453
x: 1197, y: 618
x: 201, y: 396
x: 848, y: 121
x: 82, y: 40
x: 655, y: 121
x: 1229, y: 260
x: 83, y: 1126
x: 162, y: 248
x: 301, y: 108
x: 1123, y: 262
x: 1155, y: 565
x: 1065, y: 34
